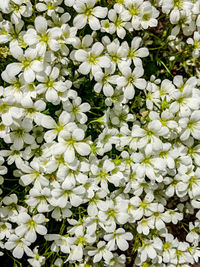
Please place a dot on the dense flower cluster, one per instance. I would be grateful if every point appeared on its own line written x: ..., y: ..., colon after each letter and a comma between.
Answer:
x: 97, y: 183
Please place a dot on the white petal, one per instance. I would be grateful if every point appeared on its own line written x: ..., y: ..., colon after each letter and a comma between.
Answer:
x: 48, y: 122
x: 18, y: 143
x: 41, y: 7
x: 82, y: 148
x: 41, y: 24
x: 122, y: 244
x: 121, y: 81
x: 140, y: 83
x: 78, y: 134
x: 108, y: 90
x: 51, y: 95
x: 97, y: 48
x: 14, y: 68
x: 129, y: 91
x: 97, y: 257
x: 100, y: 12
x: 142, y: 52
x: 84, y: 68
x: 69, y: 155
x: 81, y: 55
x: 31, y: 37
x: 185, y: 135
x: 80, y: 21
x: 37, y: 66
x: 18, y: 252
x: 31, y: 235
x: 94, y: 23
x: 41, y: 229
x: 29, y: 75
x: 75, y: 200
x: 104, y: 62
x: 55, y: 73
x: 16, y: 51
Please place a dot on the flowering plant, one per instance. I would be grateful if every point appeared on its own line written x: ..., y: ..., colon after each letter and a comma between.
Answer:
x: 100, y: 132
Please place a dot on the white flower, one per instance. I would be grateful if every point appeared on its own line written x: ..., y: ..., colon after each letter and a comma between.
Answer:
x: 104, y: 81
x: 77, y: 109
x: 117, y: 261
x: 63, y: 124
x: 120, y: 115
x: 96, y: 203
x: 182, y: 254
x: 5, y: 230
x: 102, y: 251
x: 92, y: 60
x: 88, y: 14
x: 169, y: 248
x: 18, y: 245
x: 29, y: 226
x: 134, y: 52
x: 166, y: 121
x: 131, y: 79
x: 101, y: 173
x: 114, y: 213
x: 67, y: 193
x: 50, y: 84
x: 148, y: 16
x: 11, y: 33
x: 20, y: 134
x: 190, y: 126
x: 60, y: 241
x: 69, y: 142
x: 4, y: 4
x: 36, y: 260
x: 68, y: 33
x: 189, y: 184
x: 118, y: 239
x: 117, y: 53
x: 34, y: 174
x: 158, y: 218
x: 174, y: 216
x: 134, y: 8
x: 141, y: 207
x: 150, y: 138
x: 14, y: 156
x: 50, y: 6
x: 195, y: 42
x: 147, y: 251
x: 105, y: 140
x: 144, y: 226
x: 28, y: 63
x: 12, y: 209
x: 106, y: 26
x: 128, y: 137
x: 167, y: 90
x: 19, y: 8
x: 13, y: 89
x: 194, y: 151
x: 119, y: 20
x: 184, y: 101
x: 41, y: 37
x: 38, y: 198
x: 152, y: 95
x: 193, y: 235
x: 76, y: 253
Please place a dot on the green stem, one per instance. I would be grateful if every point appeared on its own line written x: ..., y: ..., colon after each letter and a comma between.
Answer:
x: 15, y: 260
x: 166, y: 68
